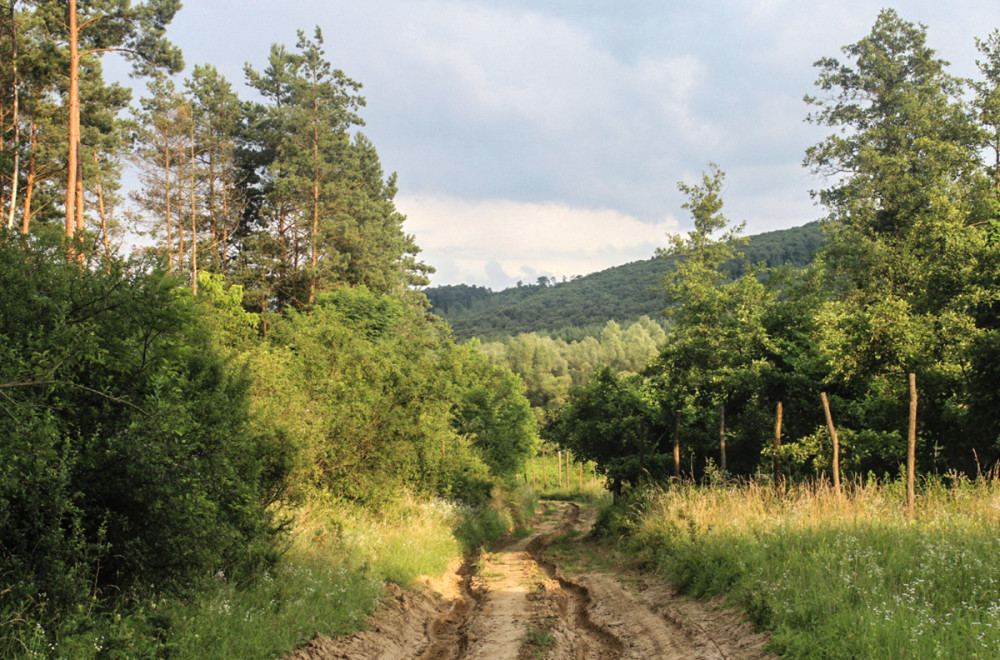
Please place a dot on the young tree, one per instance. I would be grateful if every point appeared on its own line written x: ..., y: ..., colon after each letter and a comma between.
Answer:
x: 217, y: 114
x: 160, y: 157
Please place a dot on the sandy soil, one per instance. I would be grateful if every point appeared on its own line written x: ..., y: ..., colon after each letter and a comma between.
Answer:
x: 533, y: 599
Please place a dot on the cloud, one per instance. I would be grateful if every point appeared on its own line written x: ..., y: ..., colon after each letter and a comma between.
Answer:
x: 495, y: 243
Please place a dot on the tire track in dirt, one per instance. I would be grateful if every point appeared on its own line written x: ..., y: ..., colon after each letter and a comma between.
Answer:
x: 516, y: 603
x: 592, y: 640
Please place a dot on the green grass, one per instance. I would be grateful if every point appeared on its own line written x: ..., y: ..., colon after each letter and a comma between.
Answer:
x: 831, y: 577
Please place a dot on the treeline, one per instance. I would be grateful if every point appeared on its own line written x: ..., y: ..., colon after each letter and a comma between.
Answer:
x: 582, y: 306
x: 282, y: 195
x: 551, y: 366
x: 906, y: 283
x: 164, y: 414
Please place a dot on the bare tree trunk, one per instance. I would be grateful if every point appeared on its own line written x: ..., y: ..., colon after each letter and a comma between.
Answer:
x: 559, y: 468
x: 16, y: 121
x: 74, y: 121
x: 194, y: 219
x: 722, y: 438
x: 166, y: 201
x: 677, y: 445
x: 100, y: 209
x: 225, y: 230
x: 314, y: 259
x: 777, y: 443
x: 79, y: 187
x: 29, y: 186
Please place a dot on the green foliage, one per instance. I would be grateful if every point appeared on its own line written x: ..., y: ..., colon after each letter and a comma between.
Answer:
x: 550, y: 367
x: 611, y: 422
x: 624, y: 293
x: 129, y: 460
x: 906, y: 283
x: 495, y: 413
x: 907, y: 244
x: 372, y: 396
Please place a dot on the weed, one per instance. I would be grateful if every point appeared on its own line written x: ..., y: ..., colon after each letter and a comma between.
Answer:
x: 539, y: 640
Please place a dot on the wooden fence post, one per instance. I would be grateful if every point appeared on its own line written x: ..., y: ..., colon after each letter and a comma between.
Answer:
x: 911, y: 450
x: 677, y: 446
x: 835, y: 440
x: 777, y: 444
x: 722, y: 437
x: 559, y: 468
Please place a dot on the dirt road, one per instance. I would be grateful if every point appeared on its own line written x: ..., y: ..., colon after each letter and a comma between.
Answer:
x: 551, y: 595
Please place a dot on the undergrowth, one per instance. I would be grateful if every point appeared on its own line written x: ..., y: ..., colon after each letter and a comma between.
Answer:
x: 828, y: 576
x: 329, y: 580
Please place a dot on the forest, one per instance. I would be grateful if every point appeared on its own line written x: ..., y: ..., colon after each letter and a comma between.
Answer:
x: 259, y: 402
x: 580, y: 307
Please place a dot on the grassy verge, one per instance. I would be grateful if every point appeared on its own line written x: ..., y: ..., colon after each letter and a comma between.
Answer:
x: 832, y: 577
x: 329, y: 581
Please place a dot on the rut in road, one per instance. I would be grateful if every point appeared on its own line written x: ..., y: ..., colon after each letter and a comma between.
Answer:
x: 516, y: 603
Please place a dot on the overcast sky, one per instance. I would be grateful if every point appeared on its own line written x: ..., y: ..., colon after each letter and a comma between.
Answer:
x: 547, y: 138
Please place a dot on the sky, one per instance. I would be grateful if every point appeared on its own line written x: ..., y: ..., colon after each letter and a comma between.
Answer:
x: 547, y: 138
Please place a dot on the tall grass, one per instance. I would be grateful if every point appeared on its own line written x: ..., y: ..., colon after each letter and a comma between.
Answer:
x: 835, y: 577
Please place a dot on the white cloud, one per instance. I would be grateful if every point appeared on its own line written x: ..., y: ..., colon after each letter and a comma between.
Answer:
x: 497, y: 242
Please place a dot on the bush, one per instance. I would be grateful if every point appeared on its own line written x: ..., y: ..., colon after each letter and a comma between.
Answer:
x: 128, y: 458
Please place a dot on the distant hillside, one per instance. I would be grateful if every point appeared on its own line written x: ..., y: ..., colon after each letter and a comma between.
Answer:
x: 623, y: 293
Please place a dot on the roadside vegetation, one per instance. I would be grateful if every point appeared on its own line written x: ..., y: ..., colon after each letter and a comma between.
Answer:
x: 828, y: 576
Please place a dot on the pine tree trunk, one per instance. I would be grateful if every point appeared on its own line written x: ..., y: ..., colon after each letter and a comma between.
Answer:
x: 194, y: 221
x: 16, y: 121
x: 166, y: 194
x: 29, y: 184
x: 74, y: 122
x: 100, y: 209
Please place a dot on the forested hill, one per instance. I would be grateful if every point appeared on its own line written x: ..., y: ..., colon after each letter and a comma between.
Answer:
x: 623, y: 293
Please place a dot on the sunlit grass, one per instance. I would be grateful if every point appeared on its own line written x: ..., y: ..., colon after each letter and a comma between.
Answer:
x: 837, y: 577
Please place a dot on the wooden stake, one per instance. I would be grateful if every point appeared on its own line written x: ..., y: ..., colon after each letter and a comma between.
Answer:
x: 677, y: 445
x: 559, y: 468
x: 836, y: 442
x: 777, y: 443
x: 911, y: 450
x: 722, y: 437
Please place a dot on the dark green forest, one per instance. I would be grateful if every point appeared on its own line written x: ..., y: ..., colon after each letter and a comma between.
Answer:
x: 581, y: 306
